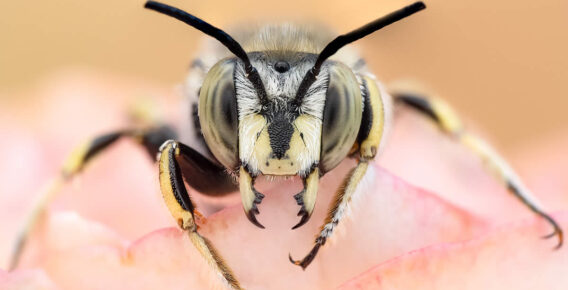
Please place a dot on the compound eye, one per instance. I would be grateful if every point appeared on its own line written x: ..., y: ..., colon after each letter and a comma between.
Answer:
x: 218, y: 113
x: 341, y: 117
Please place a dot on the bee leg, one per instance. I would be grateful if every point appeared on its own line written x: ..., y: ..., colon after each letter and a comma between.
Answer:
x: 450, y: 124
x: 207, y: 173
x: 73, y: 165
x: 368, y: 148
x: 250, y: 196
x: 336, y: 211
x: 307, y: 197
x: 207, y: 177
x: 182, y: 208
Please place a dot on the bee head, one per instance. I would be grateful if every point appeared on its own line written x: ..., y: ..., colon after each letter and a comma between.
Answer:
x: 280, y: 113
x: 279, y: 135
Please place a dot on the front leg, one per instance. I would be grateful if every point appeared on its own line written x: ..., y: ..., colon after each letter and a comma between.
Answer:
x: 182, y: 208
x: 207, y: 176
x: 74, y: 165
x: 336, y: 212
x: 368, y: 146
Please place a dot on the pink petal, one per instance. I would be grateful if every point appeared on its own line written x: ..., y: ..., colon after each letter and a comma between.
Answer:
x: 96, y: 258
x: 43, y: 126
x: 26, y: 279
x: 419, y: 153
x: 390, y: 219
x: 512, y: 257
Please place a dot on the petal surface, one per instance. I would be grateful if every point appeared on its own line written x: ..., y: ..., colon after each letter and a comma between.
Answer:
x: 512, y: 257
x: 389, y: 219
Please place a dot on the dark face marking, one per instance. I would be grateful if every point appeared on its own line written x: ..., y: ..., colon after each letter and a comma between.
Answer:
x: 281, y: 110
x: 280, y: 133
x: 280, y: 115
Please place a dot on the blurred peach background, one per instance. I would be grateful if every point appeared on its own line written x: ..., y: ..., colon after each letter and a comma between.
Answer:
x: 501, y: 63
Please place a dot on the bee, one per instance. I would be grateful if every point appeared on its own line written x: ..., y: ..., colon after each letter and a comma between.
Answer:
x: 284, y: 102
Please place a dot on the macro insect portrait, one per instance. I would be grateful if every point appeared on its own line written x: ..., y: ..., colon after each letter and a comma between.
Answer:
x: 281, y: 136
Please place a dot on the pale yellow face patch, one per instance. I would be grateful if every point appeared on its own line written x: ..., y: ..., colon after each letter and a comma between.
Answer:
x: 255, y: 150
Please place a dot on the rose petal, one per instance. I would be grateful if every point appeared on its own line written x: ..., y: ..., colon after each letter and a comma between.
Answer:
x: 389, y: 219
x: 419, y: 153
x: 26, y: 279
x: 95, y: 258
x: 41, y: 126
x: 512, y: 257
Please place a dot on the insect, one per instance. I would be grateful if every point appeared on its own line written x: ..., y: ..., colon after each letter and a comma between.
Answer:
x: 282, y: 103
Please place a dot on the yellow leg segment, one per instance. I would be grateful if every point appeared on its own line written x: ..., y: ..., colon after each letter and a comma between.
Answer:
x: 450, y: 124
x: 183, y: 210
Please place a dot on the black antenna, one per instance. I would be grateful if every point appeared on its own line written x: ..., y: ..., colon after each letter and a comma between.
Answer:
x: 222, y: 36
x: 352, y: 36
